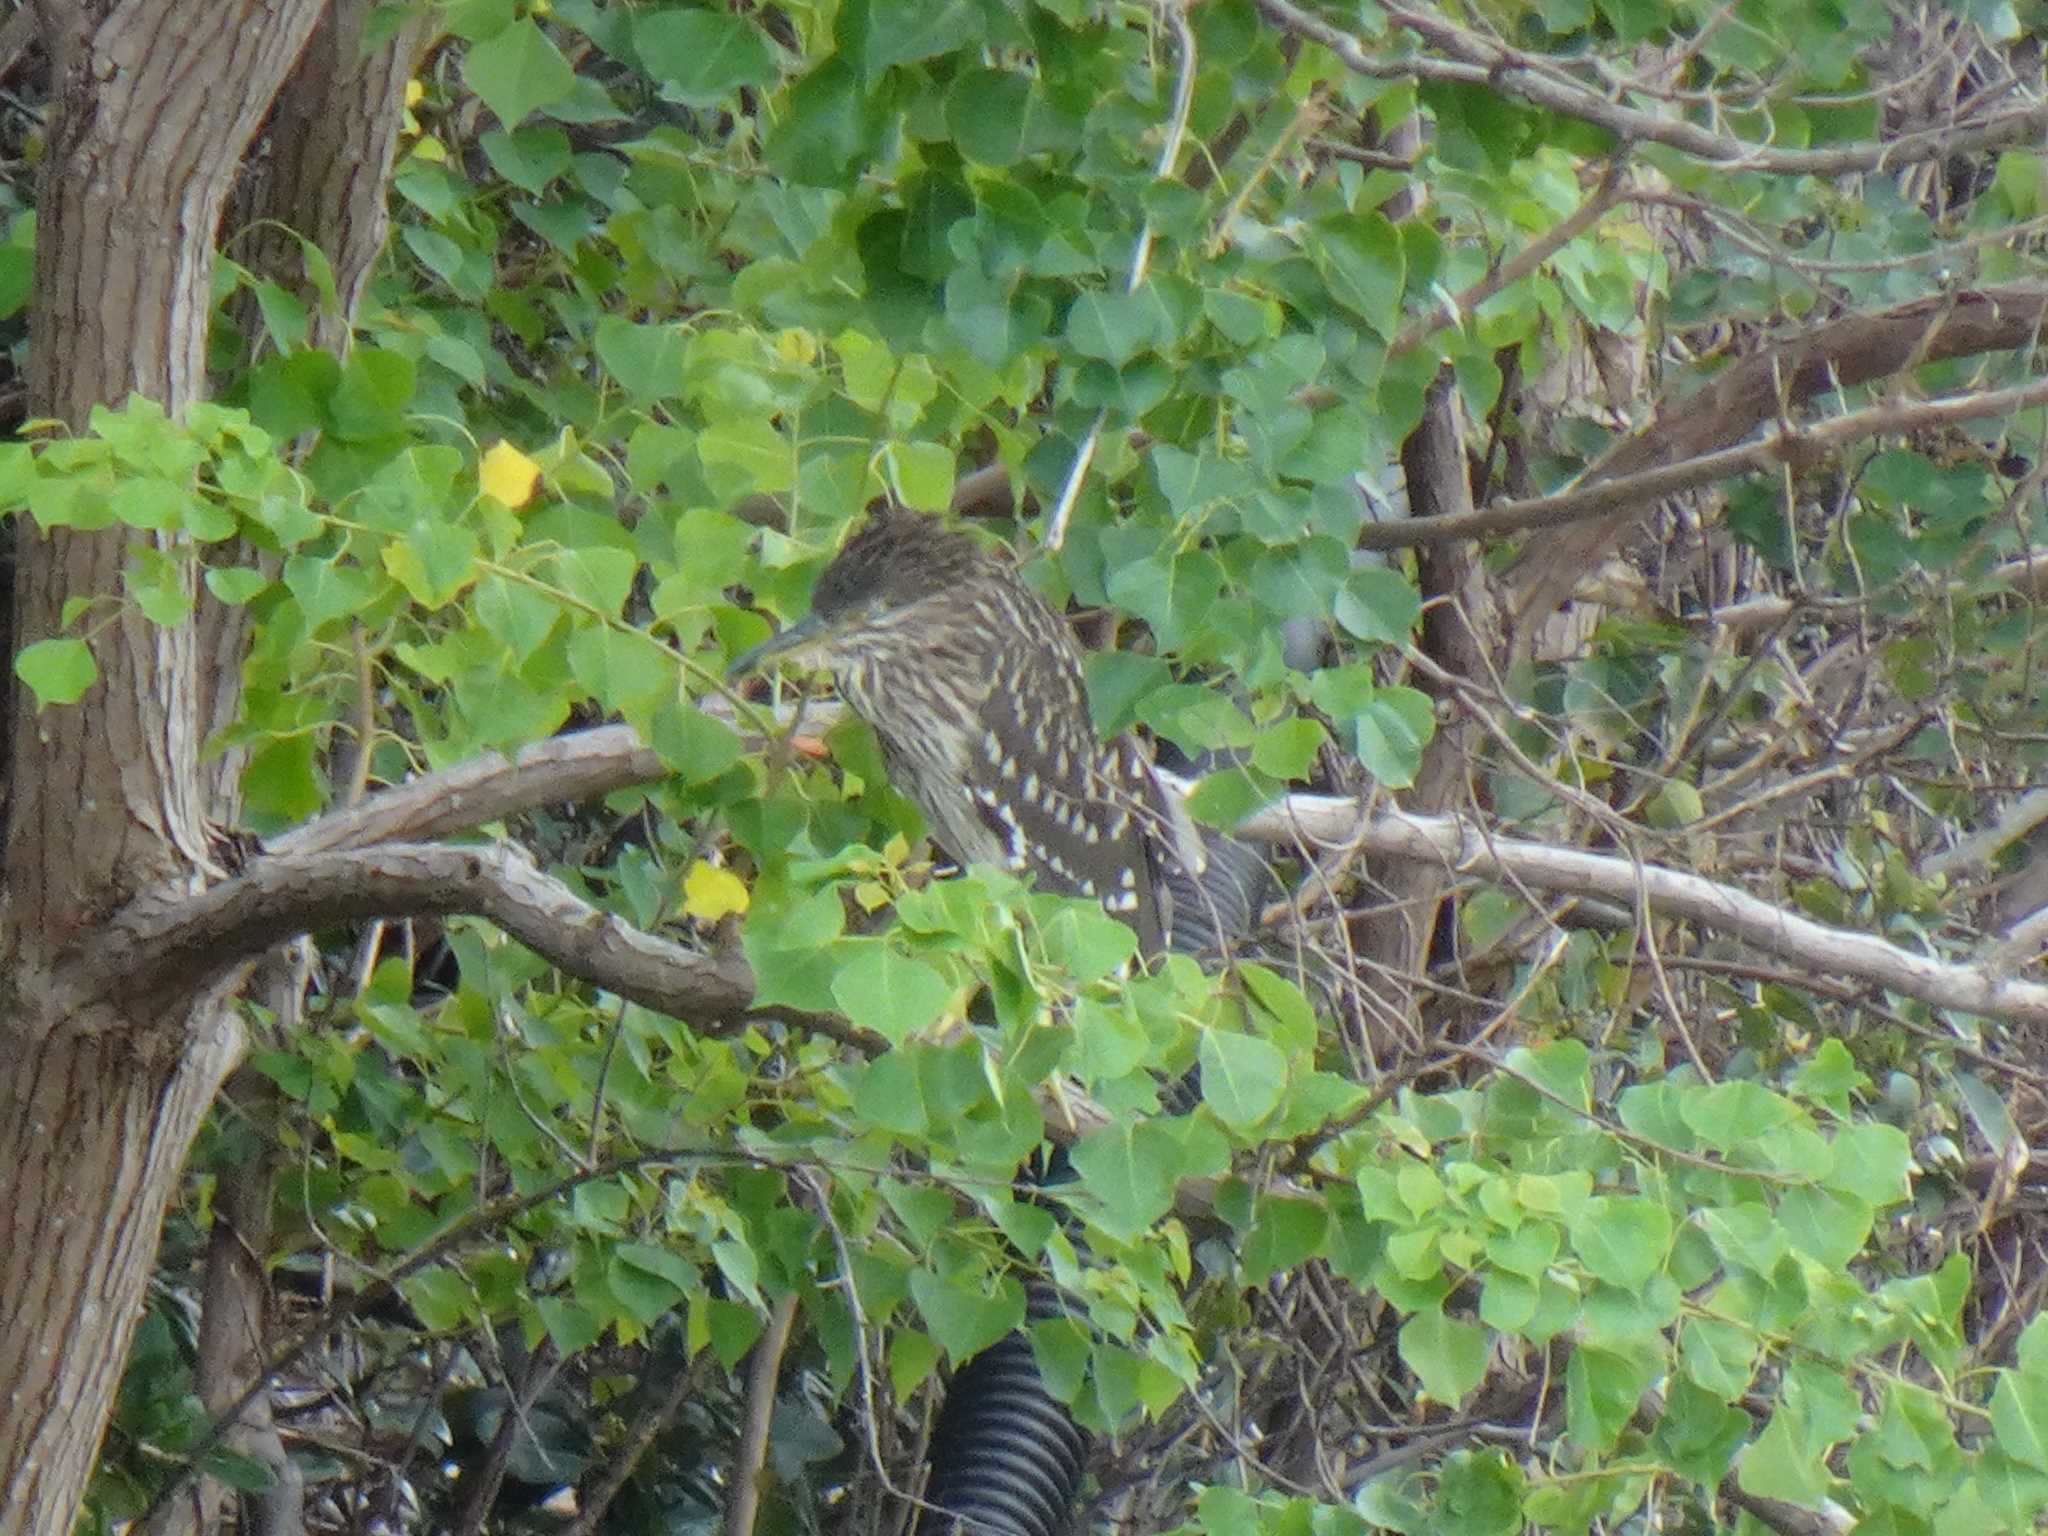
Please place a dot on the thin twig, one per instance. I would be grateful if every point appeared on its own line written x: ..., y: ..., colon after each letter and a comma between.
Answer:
x: 1141, y: 261
x: 1493, y: 66
x: 750, y: 1460
x: 1525, y: 261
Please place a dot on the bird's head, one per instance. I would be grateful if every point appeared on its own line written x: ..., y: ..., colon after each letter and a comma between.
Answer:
x: 900, y: 569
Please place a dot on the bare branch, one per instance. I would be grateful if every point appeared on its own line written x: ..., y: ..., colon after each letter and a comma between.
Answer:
x: 164, y: 947
x: 1795, y: 446
x: 750, y: 1461
x: 2025, y: 814
x: 158, y: 945
x: 1462, y: 845
x: 578, y: 766
x: 1840, y: 355
x: 1482, y: 61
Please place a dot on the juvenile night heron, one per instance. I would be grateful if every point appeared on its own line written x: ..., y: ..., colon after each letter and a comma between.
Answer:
x: 973, y: 686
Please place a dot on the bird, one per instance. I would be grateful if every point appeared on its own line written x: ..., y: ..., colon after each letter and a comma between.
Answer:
x: 973, y: 686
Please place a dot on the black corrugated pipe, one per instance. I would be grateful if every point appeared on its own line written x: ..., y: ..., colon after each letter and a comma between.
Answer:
x: 1006, y: 1455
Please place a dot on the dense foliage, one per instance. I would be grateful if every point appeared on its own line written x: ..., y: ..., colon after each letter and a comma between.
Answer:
x: 1604, y: 1223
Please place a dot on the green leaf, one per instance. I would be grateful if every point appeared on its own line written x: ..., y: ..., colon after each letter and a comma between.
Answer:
x: 281, y: 784
x: 1130, y: 1170
x: 517, y: 615
x: 889, y: 1094
x: 1446, y: 1355
x: 1726, y: 1115
x: 747, y: 457
x: 1281, y: 1000
x: 733, y: 1330
x: 646, y: 360
x: 988, y: 114
x: 703, y: 56
x: 924, y: 475
x: 1828, y: 1227
x: 1284, y: 1234
x: 370, y: 398
x: 912, y: 1359
x: 1366, y: 268
x: 17, y: 275
x: 1872, y: 1163
x: 235, y: 585
x: 58, y: 670
x: 1602, y: 1390
x: 964, y: 1323
x: 434, y: 564
x: 910, y: 30
x: 1746, y: 1235
x: 1391, y: 732
x: 622, y: 670
x: 693, y: 746
x: 530, y: 159
x: 327, y: 590
x: 158, y: 586
x: 1479, y: 1493
x: 149, y: 504
x: 1779, y: 1465
x: 517, y: 71
x: 1700, y: 1433
x: 891, y: 994
x: 1115, y: 327
x: 1378, y: 604
x: 1242, y: 1077
x: 1622, y: 1239
x: 1288, y: 749
x: 600, y: 577
x: 2019, y: 1403
x: 17, y: 472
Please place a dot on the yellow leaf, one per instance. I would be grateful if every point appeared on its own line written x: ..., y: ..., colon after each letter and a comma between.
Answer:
x: 414, y: 92
x: 796, y: 346
x: 709, y: 892
x: 507, y: 474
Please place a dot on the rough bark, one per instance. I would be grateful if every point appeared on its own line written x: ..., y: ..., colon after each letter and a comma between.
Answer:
x: 1397, y: 943
x: 324, y: 165
x: 319, y: 173
x: 154, y: 103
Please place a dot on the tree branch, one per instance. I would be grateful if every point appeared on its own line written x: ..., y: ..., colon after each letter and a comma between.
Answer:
x: 1794, y: 445
x: 164, y: 947
x: 579, y: 766
x: 750, y: 1460
x: 1465, y: 847
x: 1840, y: 355
x: 159, y: 945
x: 1484, y: 62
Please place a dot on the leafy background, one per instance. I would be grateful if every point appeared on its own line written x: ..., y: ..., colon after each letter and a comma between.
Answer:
x: 1607, y: 1226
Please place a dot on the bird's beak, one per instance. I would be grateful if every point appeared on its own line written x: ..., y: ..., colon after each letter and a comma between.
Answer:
x: 798, y: 635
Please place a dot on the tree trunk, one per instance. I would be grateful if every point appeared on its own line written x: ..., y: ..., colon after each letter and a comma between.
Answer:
x: 154, y: 103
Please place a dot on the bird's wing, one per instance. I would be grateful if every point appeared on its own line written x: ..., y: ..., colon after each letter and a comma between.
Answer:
x: 1065, y: 808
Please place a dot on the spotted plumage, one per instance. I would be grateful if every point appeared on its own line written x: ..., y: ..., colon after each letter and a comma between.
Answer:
x: 973, y: 686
